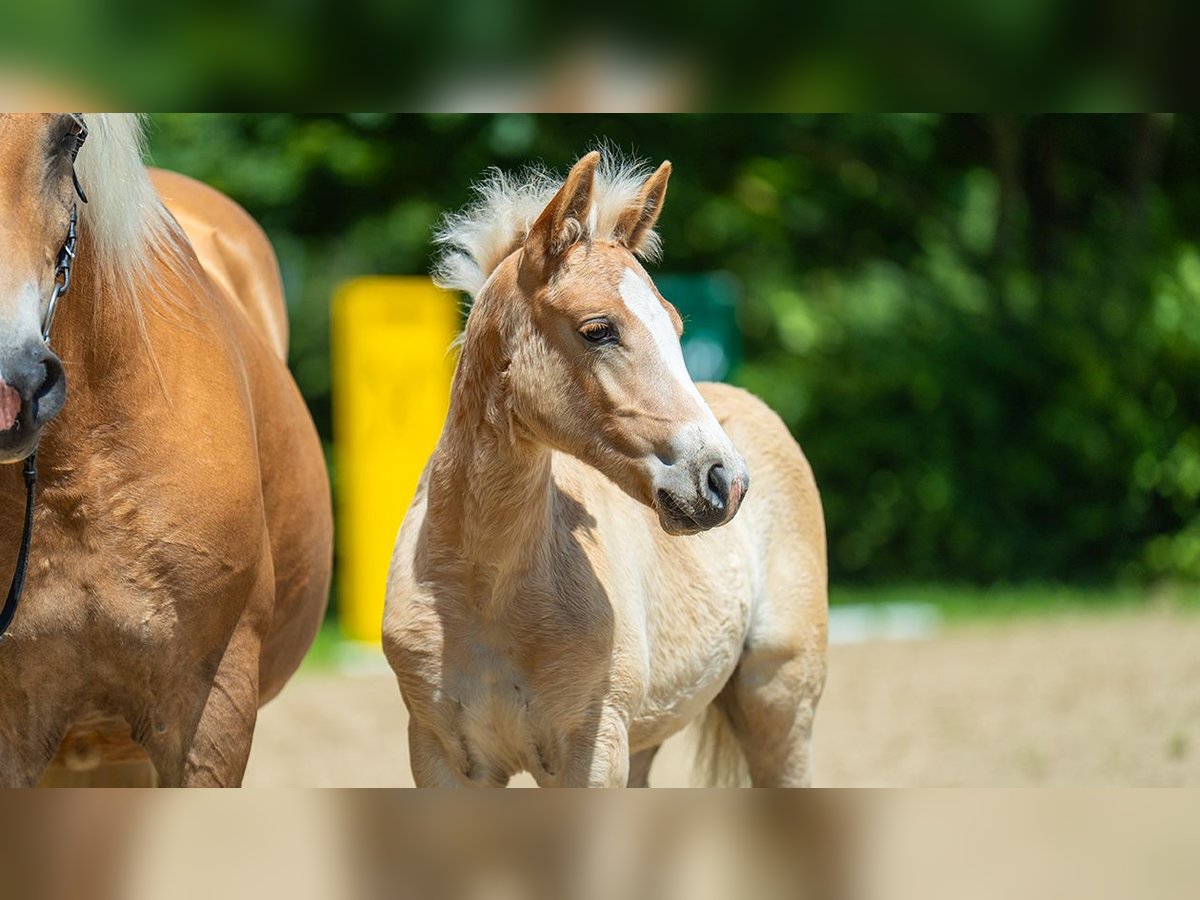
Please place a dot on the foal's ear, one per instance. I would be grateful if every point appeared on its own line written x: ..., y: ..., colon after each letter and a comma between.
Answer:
x: 563, y: 221
x: 635, y: 227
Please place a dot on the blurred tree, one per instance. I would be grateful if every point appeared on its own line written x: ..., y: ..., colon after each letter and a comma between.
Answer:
x: 985, y: 331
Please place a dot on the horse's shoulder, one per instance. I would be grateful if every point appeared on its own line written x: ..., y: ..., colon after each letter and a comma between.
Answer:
x: 233, y: 250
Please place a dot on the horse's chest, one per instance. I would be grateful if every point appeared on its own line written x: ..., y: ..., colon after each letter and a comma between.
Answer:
x: 124, y: 583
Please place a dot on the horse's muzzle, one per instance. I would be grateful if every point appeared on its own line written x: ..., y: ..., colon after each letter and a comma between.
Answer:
x: 33, y: 389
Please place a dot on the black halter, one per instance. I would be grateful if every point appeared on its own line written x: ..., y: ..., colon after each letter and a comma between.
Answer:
x: 62, y: 282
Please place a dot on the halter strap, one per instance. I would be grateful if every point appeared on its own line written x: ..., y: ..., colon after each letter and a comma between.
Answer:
x: 62, y: 273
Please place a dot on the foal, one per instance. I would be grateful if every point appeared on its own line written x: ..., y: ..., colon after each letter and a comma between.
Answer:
x: 557, y: 602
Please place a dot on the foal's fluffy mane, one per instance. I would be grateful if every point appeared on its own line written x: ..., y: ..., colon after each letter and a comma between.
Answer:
x: 125, y: 226
x: 475, y: 240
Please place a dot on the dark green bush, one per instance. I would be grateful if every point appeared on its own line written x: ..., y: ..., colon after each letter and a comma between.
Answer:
x: 985, y: 331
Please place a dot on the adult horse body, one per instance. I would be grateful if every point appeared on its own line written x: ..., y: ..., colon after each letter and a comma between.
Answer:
x: 557, y: 603
x: 182, y: 543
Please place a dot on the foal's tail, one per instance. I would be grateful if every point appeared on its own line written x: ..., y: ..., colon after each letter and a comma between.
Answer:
x: 719, y: 758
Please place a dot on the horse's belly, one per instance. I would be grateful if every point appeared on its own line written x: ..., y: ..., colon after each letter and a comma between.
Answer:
x: 680, y: 692
x: 695, y: 636
x: 684, y: 679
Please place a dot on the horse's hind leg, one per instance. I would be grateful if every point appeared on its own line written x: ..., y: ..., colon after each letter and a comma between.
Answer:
x: 770, y: 703
x: 639, y: 767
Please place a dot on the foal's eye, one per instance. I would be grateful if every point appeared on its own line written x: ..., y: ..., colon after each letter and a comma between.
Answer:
x: 598, y: 331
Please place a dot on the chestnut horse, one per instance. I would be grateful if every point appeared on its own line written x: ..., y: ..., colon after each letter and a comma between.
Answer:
x: 561, y: 598
x: 181, y: 548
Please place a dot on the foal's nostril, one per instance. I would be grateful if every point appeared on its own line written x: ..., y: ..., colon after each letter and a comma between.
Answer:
x: 718, y: 484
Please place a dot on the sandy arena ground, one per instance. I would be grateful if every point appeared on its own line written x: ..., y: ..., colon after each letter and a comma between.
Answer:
x: 1074, y: 700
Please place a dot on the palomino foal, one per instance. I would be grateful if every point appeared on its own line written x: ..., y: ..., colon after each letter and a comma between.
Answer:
x: 557, y: 603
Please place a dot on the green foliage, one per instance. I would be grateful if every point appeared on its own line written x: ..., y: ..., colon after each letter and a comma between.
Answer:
x: 985, y: 331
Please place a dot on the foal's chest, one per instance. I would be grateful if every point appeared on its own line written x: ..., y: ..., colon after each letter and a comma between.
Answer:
x: 513, y: 692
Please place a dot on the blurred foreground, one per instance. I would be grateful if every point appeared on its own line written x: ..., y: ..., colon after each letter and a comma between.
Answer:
x: 794, y: 845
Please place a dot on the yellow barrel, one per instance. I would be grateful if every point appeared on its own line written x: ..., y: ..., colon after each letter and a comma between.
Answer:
x: 392, y: 367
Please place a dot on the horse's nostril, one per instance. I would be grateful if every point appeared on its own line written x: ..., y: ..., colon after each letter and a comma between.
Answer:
x: 52, y: 372
x: 718, y: 483
x: 48, y: 389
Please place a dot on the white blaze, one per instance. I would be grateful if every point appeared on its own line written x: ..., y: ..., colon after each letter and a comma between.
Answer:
x: 28, y: 316
x: 25, y: 321
x: 640, y: 300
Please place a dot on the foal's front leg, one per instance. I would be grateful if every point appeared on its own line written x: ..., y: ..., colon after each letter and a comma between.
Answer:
x: 431, y: 768
x: 639, y: 767
x: 598, y: 756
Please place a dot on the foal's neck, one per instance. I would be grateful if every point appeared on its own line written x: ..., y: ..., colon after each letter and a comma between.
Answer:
x: 490, y: 492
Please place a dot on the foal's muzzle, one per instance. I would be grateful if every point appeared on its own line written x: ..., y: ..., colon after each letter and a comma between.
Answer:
x: 33, y: 389
x: 702, y: 497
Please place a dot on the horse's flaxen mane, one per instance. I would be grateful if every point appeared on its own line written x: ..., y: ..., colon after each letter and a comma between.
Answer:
x: 475, y: 240
x: 124, y: 226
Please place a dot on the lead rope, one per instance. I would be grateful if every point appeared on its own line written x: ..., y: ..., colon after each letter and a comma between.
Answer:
x: 18, y: 582
x: 62, y: 282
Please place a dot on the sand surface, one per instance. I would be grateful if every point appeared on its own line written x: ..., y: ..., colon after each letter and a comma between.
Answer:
x: 1091, y: 699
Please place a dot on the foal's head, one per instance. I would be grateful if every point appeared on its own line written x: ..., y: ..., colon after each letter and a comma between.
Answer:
x: 595, y: 367
x: 36, y: 197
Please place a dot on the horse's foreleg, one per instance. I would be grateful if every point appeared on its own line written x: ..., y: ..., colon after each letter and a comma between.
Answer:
x: 216, y: 753
x: 22, y: 762
x: 427, y: 757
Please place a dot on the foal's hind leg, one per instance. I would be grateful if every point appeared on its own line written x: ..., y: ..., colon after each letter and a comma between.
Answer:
x: 770, y: 702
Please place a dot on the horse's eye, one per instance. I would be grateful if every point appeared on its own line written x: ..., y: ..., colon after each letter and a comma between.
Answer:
x: 599, y: 331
